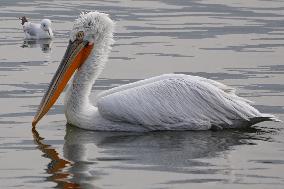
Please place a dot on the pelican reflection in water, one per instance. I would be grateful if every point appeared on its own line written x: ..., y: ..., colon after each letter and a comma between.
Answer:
x: 81, y: 166
x: 44, y: 44
x: 57, y: 165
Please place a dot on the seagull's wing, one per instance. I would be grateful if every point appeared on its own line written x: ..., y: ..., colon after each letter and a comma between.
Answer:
x: 30, y: 29
x: 173, y: 103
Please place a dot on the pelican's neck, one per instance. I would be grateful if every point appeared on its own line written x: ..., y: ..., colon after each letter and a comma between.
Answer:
x: 80, y: 89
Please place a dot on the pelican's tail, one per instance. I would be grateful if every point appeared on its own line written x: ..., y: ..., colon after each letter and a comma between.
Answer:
x: 264, y: 117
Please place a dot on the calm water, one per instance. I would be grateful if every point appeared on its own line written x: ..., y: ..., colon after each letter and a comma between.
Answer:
x: 237, y: 42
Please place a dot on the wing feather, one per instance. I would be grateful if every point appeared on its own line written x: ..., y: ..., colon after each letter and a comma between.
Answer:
x: 30, y: 29
x: 177, y: 101
x: 221, y: 86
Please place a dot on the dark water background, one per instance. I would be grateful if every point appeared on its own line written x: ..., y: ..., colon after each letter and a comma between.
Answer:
x: 237, y: 42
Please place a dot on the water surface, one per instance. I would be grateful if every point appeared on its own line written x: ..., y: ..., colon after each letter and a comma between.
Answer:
x: 240, y: 43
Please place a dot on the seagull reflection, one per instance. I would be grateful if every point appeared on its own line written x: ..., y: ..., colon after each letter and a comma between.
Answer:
x: 93, y: 154
x: 44, y: 44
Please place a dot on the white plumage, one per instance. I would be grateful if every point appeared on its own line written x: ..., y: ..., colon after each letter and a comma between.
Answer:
x: 175, y: 102
x: 166, y: 102
x: 37, y: 31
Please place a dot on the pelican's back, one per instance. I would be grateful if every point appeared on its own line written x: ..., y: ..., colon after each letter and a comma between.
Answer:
x: 177, y: 103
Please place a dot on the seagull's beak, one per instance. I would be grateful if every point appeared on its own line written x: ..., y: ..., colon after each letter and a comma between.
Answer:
x: 76, y: 54
x: 48, y: 32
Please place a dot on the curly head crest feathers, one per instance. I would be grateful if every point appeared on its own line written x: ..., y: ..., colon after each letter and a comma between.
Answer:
x: 95, y: 25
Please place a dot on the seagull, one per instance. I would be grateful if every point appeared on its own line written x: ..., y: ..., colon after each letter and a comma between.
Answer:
x: 37, y: 31
x: 165, y: 102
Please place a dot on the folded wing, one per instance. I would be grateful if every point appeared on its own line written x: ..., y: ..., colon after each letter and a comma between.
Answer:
x: 175, y: 102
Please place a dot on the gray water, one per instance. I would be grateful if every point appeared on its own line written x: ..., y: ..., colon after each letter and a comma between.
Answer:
x: 237, y: 42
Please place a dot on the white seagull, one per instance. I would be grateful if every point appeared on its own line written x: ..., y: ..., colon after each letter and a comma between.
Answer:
x: 166, y: 102
x: 37, y: 31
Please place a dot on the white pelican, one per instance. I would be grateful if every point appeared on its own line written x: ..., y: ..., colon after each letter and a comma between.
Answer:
x: 37, y: 31
x: 166, y: 102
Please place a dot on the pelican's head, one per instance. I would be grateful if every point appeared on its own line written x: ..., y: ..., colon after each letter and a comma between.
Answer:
x: 89, y: 30
x: 95, y: 26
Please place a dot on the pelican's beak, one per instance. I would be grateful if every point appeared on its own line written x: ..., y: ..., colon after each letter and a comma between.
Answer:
x: 76, y: 54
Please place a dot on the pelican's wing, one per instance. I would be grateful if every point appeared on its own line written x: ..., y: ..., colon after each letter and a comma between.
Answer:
x: 136, y: 84
x: 221, y: 86
x: 175, y: 103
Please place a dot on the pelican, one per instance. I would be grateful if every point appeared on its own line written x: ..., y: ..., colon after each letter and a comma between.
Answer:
x: 37, y: 31
x: 166, y: 102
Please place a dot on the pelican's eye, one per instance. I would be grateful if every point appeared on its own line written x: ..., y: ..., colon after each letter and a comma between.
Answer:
x: 80, y: 35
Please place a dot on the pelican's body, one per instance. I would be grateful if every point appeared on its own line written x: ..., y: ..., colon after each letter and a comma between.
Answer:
x: 41, y: 30
x: 166, y: 102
